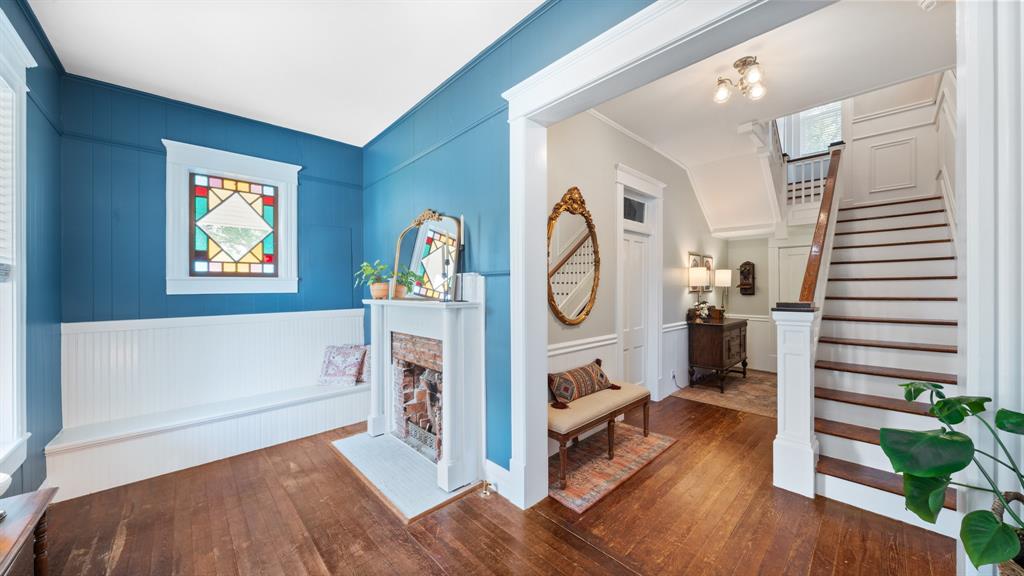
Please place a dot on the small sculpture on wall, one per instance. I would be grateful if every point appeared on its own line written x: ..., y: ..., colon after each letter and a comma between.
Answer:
x: 747, y: 278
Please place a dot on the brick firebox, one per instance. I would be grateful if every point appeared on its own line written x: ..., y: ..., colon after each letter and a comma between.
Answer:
x: 418, y: 381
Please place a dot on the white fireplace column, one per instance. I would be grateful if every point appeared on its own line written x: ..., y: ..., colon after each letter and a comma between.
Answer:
x: 460, y: 328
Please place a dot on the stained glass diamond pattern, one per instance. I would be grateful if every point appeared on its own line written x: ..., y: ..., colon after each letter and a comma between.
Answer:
x: 235, y: 226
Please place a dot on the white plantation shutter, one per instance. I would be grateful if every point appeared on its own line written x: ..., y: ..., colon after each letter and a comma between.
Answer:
x: 811, y: 131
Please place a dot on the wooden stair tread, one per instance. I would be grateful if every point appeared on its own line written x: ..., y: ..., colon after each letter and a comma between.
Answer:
x: 871, y: 401
x: 872, y: 477
x: 896, y: 298
x: 922, y: 321
x: 885, y: 371
x: 943, y: 348
x: 848, y: 431
x: 887, y: 216
x: 891, y: 278
x: 894, y: 260
x: 900, y: 229
x: 892, y: 203
x: 887, y: 244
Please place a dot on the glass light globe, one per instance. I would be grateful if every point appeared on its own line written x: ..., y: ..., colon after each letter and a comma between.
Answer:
x: 754, y: 74
x: 722, y: 92
x: 757, y: 91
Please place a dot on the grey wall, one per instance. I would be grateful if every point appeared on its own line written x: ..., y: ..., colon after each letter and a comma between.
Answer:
x: 583, y: 152
x: 754, y: 250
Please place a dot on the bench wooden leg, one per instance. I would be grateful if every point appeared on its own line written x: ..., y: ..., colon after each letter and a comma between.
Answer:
x: 647, y: 419
x: 575, y: 441
x: 611, y: 438
x: 563, y: 463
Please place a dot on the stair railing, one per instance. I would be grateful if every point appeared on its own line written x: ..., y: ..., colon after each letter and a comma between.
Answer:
x: 795, y: 450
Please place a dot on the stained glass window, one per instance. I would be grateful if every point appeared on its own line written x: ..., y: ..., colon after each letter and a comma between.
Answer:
x: 435, y: 269
x: 233, y: 226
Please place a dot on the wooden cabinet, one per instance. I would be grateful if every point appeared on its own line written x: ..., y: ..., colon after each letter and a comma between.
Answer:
x: 719, y: 347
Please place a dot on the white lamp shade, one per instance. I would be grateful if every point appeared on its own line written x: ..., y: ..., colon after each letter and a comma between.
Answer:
x: 698, y: 276
x: 723, y: 278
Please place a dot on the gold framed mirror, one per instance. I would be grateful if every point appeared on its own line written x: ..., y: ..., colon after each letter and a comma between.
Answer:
x: 574, y: 260
x: 433, y: 256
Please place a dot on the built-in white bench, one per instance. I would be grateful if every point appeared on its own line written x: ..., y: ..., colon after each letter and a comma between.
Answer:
x: 147, y: 397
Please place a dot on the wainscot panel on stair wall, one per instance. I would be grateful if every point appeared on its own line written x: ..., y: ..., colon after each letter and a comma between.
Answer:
x: 450, y: 153
x: 113, y: 205
x: 42, y: 346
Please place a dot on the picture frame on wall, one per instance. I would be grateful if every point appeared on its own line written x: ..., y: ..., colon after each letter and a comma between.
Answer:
x: 694, y: 261
x: 709, y: 263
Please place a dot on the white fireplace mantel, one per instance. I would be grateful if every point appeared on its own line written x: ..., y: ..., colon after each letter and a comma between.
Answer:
x: 460, y: 328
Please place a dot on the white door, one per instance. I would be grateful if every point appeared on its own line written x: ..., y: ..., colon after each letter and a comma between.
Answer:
x: 635, y: 254
x: 792, y: 265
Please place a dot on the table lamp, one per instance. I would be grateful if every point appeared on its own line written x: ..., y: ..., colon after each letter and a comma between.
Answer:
x: 723, y: 279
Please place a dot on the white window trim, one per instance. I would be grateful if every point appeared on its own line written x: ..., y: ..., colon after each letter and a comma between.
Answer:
x: 184, y: 158
x: 15, y: 59
x: 791, y: 137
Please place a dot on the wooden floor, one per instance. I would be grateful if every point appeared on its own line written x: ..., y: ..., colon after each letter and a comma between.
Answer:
x: 705, y: 506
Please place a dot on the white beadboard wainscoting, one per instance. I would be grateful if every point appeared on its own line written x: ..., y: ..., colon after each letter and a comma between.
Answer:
x: 675, y: 357
x: 760, y: 341
x: 142, y: 398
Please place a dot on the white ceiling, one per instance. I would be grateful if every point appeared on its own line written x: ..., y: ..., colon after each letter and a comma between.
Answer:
x: 839, y: 51
x: 344, y: 70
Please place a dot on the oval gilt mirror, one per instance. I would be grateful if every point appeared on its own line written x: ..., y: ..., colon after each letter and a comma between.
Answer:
x: 574, y: 261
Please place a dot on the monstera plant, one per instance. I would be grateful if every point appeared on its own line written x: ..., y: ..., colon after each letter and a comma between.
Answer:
x: 928, y: 459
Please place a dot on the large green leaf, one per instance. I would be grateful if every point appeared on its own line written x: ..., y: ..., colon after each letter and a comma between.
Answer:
x: 1010, y: 421
x: 954, y: 410
x: 928, y: 454
x: 987, y: 539
x: 924, y: 496
x: 911, y: 390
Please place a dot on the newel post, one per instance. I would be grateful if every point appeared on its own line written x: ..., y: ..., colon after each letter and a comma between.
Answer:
x: 795, y: 450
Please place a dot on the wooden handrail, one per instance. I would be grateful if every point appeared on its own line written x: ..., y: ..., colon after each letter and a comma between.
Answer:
x: 569, y: 254
x: 820, y: 231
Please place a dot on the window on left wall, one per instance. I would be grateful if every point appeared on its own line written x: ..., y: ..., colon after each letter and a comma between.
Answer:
x: 14, y: 60
x: 231, y: 222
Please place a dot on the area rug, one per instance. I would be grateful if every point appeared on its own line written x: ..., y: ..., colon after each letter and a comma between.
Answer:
x: 756, y: 393
x: 591, y: 475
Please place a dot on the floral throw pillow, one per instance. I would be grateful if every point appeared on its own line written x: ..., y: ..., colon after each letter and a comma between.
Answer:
x: 343, y: 364
x: 578, y: 382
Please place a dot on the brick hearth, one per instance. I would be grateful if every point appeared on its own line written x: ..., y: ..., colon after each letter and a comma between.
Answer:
x: 418, y: 381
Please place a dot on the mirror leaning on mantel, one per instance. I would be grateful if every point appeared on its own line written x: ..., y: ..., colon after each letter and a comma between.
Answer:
x: 574, y: 261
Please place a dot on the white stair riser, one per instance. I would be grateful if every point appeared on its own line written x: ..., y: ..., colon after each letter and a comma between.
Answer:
x: 870, y: 417
x: 851, y: 224
x: 884, y: 503
x: 892, y: 209
x: 928, y: 288
x: 853, y: 451
x: 875, y: 270
x: 893, y: 236
x: 866, y: 384
x: 898, y: 332
x: 903, y: 251
x: 893, y: 309
x: 871, y: 356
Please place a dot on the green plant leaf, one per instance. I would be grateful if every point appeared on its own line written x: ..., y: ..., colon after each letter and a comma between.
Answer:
x: 924, y: 496
x: 987, y: 539
x: 930, y: 454
x: 1010, y: 421
x: 954, y: 410
x: 911, y: 390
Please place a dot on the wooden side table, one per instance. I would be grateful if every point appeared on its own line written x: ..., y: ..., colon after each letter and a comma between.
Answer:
x: 26, y: 517
x: 718, y: 346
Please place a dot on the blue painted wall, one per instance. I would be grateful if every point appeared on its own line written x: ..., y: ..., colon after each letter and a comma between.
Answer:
x: 43, y: 248
x: 112, y: 199
x: 450, y: 153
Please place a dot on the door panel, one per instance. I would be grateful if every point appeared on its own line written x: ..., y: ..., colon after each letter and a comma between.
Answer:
x: 635, y: 251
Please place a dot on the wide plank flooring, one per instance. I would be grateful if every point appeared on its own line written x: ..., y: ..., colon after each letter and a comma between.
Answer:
x: 706, y: 506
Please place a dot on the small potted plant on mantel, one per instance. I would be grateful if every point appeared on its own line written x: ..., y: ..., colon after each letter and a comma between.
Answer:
x: 927, y: 460
x: 376, y: 276
x: 404, y: 282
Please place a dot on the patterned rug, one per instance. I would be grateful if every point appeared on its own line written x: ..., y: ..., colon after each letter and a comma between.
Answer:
x: 591, y: 476
x: 756, y: 393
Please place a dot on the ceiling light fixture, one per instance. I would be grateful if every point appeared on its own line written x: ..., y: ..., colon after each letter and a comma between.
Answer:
x: 750, y: 84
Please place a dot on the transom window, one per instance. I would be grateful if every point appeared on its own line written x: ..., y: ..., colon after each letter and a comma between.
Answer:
x: 234, y: 224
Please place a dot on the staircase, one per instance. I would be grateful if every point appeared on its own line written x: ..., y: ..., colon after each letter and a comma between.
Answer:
x: 890, y: 316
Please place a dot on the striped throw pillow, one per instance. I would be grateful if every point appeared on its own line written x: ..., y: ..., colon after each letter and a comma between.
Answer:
x: 578, y: 382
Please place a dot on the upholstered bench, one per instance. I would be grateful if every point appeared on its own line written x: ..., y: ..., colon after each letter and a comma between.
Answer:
x: 592, y: 410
